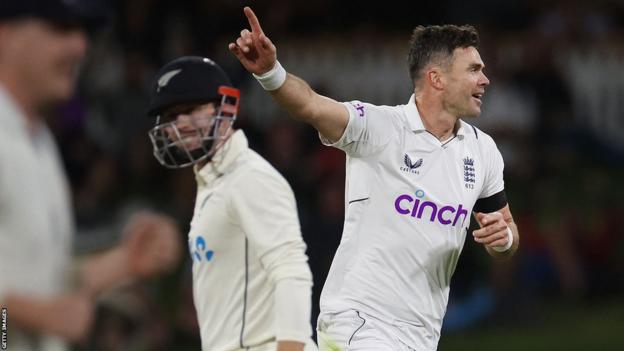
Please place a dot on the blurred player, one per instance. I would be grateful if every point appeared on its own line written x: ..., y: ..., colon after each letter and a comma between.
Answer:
x: 49, y: 300
x: 251, y: 281
x: 415, y: 172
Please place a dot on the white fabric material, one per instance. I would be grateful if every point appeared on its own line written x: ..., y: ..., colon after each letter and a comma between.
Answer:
x: 293, y: 305
x: 36, y: 224
x: 273, y: 79
x: 310, y: 345
x: 358, y: 331
x: 408, y: 203
x: 244, y: 239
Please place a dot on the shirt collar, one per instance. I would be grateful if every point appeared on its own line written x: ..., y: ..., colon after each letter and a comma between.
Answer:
x: 415, y: 121
x: 413, y: 117
x: 223, y: 159
x: 461, y: 130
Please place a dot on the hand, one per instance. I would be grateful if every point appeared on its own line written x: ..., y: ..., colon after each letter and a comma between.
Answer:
x: 151, y: 244
x: 254, y: 49
x: 68, y: 316
x: 290, y: 346
x: 493, y: 232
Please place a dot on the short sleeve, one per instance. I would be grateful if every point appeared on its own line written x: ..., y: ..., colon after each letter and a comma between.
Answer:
x: 368, y: 131
x: 493, y: 181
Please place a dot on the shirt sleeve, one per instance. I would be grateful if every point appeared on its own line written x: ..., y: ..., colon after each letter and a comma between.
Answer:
x: 293, y: 305
x: 368, y: 131
x: 265, y: 207
x: 493, y: 181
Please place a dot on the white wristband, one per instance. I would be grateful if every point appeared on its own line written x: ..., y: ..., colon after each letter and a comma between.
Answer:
x: 272, y: 79
x: 509, y: 242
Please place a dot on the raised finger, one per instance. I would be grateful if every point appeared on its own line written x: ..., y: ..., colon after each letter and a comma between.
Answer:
x: 242, y: 45
x: 253, y: 20
x: 246, y: 35
x: 235, y: 50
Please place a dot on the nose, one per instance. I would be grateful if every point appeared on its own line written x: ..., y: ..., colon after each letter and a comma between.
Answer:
x: 184, y: 122
x: 484, y: 80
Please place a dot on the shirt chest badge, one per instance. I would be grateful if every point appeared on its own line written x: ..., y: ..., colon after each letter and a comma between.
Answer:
x: 469, y: 172
x: 199, y: 250
x: 411, y: 166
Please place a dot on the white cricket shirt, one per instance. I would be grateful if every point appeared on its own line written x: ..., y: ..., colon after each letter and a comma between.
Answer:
x: 244, y: 237
x: 408, y: 201
x: 36, y: 224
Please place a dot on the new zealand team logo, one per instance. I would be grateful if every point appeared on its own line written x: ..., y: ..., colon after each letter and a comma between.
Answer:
x: 199, y: 251
x: 469, y: 173
x: 411, y: 166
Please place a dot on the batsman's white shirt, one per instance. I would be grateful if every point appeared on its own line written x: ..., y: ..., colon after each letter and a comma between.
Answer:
x: 36, y: 224
x: 408, y: 201
x: 244, y: 237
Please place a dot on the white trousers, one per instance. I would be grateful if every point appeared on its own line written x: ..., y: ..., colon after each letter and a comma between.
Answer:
x: 357, y: 331
x: 272, y: 346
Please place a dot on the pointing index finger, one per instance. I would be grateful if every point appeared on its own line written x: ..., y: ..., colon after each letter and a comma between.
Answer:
x: 253, y: 20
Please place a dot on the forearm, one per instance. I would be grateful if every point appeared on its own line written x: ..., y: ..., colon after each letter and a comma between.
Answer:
x: 326, y: 115
x: 67, y: 316
x: 104, y: 270
x: 514, y: 246
x: 296, y: 97
x: 290, y: 346
x: 28, y: 313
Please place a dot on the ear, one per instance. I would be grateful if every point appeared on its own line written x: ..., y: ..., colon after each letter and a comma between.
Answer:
x: 435, y: 78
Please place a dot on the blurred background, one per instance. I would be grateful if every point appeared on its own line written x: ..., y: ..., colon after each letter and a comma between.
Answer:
x: 555, y: 106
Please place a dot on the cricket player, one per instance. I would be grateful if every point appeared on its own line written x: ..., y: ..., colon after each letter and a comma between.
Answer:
x: 414, y: 174
x: 251, y: 281
x: 47, y: 296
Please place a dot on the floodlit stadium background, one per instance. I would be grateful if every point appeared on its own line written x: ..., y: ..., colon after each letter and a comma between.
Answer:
x: 555, y: 106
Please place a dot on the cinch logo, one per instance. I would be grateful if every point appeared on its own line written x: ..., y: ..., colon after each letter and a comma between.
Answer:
x: 199, y: 251
x: 406, y: 204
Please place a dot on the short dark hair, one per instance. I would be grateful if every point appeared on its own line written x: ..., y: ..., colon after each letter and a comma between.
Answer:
x: 429, y: 43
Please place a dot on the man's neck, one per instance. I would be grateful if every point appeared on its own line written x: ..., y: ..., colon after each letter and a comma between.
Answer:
x: 21, y: 99
x: 436, y: 120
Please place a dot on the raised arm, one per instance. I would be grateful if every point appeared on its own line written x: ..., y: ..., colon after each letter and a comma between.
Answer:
x: 258, y: 55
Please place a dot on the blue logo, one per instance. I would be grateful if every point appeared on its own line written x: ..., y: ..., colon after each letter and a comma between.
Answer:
x: 469, y: 173
x: 198, y: 249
